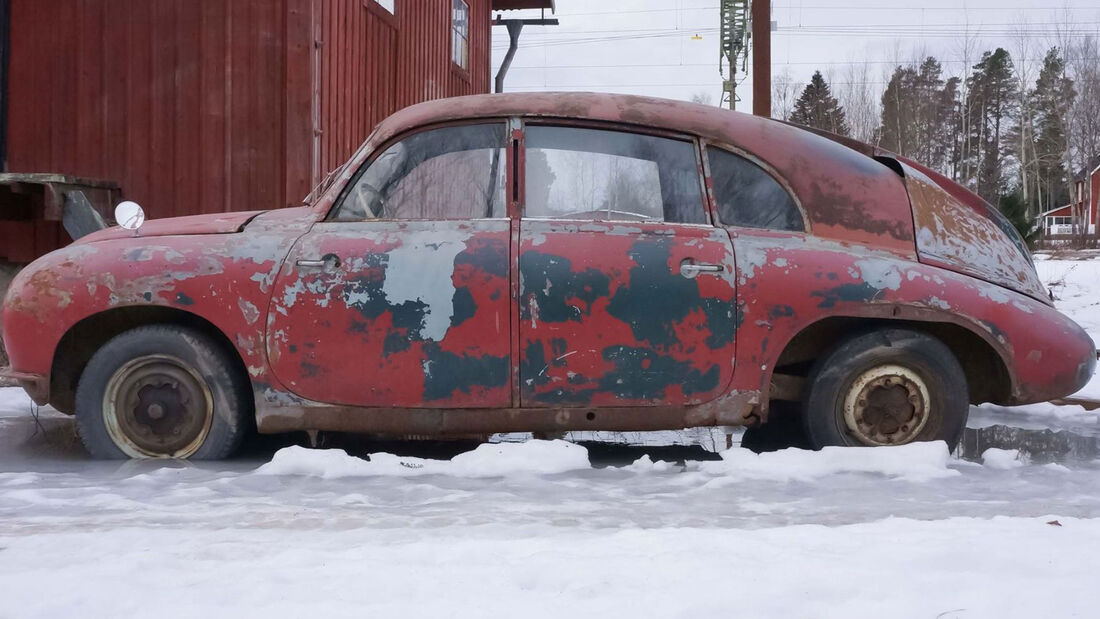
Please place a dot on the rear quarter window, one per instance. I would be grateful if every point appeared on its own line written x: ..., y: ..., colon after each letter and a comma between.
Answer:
x: 750, y: 197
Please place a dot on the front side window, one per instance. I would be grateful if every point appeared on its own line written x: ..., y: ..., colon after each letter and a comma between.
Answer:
x: 445, y: 173
x: 580, y: 173
x: 460, y: 33
x: 748, y: 196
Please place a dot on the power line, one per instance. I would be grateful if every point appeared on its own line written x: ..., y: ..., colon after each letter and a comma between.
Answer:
x: 866, y: 30
x: 711, y: 64
x: 822, y: 7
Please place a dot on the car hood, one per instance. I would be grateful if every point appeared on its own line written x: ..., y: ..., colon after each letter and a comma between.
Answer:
x: 216, y: 223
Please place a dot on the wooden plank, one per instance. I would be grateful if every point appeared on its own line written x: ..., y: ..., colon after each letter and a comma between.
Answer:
x: 299, y: 84
x: 187, y: 89
x: 212, y: 153
x: 116, y: 88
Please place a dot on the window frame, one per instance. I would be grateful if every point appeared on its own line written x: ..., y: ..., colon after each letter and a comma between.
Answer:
x: 704, y: 144
x: 570, y: 123
x: 509, y: 150
x: 455, y: 35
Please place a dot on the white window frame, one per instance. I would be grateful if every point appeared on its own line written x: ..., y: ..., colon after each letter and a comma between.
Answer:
x: 460, y: 37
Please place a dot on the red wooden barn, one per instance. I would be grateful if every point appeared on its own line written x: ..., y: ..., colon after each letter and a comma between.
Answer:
x: 199, y: 106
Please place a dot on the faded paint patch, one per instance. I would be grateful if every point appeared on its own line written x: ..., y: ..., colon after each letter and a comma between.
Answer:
x: 880, y: 273
x: 420, y: 272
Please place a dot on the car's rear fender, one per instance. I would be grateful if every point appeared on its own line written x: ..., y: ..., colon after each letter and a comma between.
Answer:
x: 787, y: 283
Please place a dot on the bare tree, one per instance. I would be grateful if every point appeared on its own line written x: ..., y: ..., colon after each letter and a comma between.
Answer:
x: 1024, y: 49
x: 703, y: 98
x: 859, y: 98
x: 784, y: 93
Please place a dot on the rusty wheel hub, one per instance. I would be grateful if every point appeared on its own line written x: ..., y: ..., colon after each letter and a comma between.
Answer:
x: 156, y: 406
x: 887, y: 405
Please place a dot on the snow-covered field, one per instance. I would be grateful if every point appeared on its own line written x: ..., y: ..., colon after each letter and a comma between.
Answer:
x: 1008, y: 527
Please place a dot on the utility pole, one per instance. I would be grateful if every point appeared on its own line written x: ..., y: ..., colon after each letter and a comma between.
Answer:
x: 515, y: 26
x: 733, y: 46
x: 762, y: 58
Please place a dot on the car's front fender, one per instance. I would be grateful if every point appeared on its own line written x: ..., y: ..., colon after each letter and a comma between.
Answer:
x: 223, y: 278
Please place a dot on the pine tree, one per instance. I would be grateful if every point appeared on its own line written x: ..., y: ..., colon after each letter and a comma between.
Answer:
x: 1014, y: 209
x: 989, y: 105
x: 918, y: 114
x: 816, y: 107
x: 898, y: 114
x: 1050, y: 102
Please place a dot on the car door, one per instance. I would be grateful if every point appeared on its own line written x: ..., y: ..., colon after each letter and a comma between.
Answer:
x: 400, y: 297
x: 627, y: 293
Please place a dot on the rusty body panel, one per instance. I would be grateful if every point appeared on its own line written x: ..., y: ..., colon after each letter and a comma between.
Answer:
x: 832, y: 279
x: 417, y: 314
x: 607, y: 319
x: 962, y: 238
x: 225, y: 278
x: 449, y: 327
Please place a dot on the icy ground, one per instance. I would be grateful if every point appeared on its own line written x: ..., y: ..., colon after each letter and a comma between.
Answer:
x: 1008, y: 527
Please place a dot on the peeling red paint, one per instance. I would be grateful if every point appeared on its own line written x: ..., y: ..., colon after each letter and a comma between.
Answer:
x: 512, y: 323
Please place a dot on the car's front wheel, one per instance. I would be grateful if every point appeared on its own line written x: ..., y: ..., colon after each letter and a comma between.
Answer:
x: 886, y: 387
x: 162, y: 392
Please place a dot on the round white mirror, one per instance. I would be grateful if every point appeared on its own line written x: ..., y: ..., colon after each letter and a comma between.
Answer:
x: 129, y: 215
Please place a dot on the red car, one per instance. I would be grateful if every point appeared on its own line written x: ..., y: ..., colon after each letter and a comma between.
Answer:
x: 550, y: 262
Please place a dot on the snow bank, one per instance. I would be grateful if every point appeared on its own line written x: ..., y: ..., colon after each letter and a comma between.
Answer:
x: 1003, y: 459
x: 645, y: 464
x: 1044, y: 411
x: 14, y: 402
x: 915, y: 462
x: 533, y: 457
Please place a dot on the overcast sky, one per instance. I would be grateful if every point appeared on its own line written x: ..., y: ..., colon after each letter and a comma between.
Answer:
x: 669, y: 48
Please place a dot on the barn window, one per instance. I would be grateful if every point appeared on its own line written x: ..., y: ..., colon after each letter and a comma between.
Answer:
x: 460, y: 34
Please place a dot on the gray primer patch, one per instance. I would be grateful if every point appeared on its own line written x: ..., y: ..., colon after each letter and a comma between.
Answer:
x: 880, y: 273
x: 420, y: 270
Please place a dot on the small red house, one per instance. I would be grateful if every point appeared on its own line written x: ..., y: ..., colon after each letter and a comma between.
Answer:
x: 1082, y: 214
x: 207, y: 106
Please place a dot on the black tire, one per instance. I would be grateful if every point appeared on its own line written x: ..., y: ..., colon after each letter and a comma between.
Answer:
x: 886, y: 387
x: 181, y: 396
x: 783, y: 430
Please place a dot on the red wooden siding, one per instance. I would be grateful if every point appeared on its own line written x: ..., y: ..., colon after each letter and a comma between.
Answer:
x: 200, y: 106
x: 180, y: 102
x: 374, y: 63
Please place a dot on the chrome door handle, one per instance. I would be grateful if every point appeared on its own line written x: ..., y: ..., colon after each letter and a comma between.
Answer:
x: 691, y: 269
x: 330, y: 262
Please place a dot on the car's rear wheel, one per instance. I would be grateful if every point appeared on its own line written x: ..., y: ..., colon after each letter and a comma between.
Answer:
x: 162, y: 392
x: 886, y: 387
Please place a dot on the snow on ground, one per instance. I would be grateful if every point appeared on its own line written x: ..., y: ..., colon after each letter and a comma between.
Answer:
x: 1075, y: 283
x: 542, y: 529
x: 1006, y: 527
x: 899, y: 568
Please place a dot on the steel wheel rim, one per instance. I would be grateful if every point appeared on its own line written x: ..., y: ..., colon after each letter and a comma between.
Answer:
x: 887, y: 405
x: 156, y: 406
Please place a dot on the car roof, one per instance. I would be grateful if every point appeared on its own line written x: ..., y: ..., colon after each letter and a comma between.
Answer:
x: 846, y: 193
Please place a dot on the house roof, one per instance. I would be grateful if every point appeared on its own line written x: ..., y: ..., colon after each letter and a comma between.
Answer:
x: 1053, y: 210
x: 512, y: 5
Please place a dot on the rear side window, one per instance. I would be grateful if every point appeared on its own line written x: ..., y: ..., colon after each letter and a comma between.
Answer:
x: 596, y: 174
x: 748, y: 196
x: 445, y: 173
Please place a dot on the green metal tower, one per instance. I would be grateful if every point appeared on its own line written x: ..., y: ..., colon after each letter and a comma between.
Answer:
x: 735, y: 33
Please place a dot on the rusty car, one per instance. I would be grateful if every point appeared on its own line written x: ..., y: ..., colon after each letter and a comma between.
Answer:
x: 553, y: 262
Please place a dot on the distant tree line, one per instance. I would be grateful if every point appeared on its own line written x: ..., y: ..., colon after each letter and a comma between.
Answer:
x: 1016, y: 136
